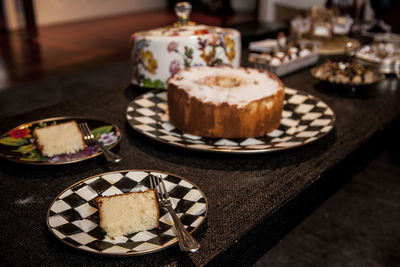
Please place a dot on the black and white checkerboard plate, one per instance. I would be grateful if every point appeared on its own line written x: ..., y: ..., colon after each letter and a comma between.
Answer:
x: 305, y: 119
x: 73, y: 215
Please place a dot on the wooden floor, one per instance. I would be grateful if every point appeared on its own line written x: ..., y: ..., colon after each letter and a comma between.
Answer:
x: 67, y: 48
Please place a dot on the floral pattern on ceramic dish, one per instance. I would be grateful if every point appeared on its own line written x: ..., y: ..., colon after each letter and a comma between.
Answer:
x: 212, y: 46
x: 160, y: 53
x: 19, y: 145
x: 143, y: 62
x: 187, y: 57
x: 211, y: 49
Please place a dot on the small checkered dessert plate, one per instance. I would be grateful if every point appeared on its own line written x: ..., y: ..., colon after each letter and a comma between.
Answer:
x: 74, y: 219
x: 305, y: 119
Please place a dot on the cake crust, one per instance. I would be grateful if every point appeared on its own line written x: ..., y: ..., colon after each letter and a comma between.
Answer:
x: 223, y: 120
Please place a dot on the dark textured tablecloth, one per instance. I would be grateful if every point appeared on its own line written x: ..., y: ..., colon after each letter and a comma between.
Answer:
x: 242, y: 190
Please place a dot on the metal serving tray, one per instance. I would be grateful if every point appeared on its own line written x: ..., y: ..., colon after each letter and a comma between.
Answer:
x: 286, y: 68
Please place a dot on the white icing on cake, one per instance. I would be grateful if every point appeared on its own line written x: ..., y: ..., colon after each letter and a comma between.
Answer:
x: 249, y: 84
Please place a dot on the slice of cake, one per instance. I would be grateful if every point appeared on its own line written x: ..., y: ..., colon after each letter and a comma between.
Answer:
x: 63, y: 138
x: 128, y: 213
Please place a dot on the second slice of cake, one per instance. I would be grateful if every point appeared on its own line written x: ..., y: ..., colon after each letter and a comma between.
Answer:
x: 128, y: 213
x: 63, y: 138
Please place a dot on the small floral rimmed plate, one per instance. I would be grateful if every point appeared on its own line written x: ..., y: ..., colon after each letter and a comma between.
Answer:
x: 19, y: 145
x: 73, y: 215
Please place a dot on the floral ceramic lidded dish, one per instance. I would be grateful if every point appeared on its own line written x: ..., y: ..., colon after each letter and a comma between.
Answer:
x: 159, y: 53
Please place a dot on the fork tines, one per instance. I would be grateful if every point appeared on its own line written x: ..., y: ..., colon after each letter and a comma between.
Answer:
x: 158, y: 185
x: 88, y: 135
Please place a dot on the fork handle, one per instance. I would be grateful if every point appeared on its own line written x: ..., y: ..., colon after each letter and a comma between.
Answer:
x: 186, y: 241
x: 110, y: 156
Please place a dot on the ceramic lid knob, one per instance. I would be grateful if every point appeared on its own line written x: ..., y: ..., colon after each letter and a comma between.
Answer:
x: 182, y: 10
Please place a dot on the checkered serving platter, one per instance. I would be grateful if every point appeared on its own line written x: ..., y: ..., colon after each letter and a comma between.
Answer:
x: 305, y: 119
x: 74, y: 219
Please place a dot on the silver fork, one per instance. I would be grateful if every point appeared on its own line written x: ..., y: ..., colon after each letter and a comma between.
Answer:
x: 186, y: 241
x: 90, y: 139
